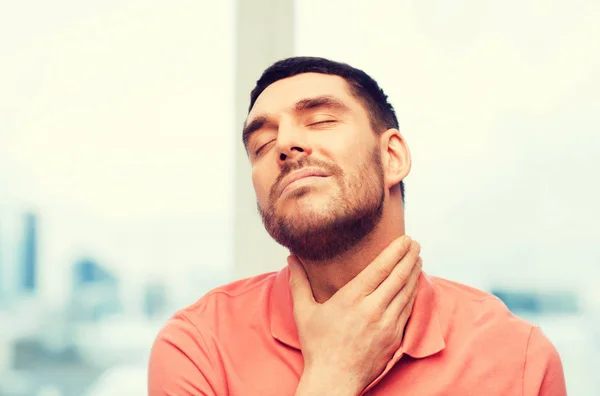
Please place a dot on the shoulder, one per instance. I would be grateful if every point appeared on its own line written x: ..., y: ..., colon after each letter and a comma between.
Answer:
x: 468, y: 309
x: 543, y: 371
x: 451, y: 293
x: 460, y: 291
x: 475, y: 317
x: 185, y: 357
x: 233, y: 302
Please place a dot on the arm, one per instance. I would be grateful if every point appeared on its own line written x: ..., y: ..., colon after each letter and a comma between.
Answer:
x: 179, y: 362
x: 543, y: 372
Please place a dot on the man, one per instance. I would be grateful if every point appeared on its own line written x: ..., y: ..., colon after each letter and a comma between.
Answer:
x: 352, y: 313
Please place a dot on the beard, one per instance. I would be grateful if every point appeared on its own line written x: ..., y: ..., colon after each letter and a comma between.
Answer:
x: 341, y: 223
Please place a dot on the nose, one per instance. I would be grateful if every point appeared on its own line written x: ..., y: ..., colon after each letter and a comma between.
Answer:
x: 292, y: 143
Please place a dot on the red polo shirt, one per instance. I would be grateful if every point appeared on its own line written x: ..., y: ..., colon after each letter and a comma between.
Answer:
x: 241, y: 339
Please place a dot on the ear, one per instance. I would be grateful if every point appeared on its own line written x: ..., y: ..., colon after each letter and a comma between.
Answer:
x: 395, y: 156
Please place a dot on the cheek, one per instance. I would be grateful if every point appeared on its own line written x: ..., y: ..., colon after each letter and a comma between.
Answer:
x: 366, y: 174
x: 262, y: 185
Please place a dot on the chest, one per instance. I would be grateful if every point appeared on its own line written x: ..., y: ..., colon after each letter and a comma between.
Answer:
x: 451, y: 376
x: 277, y: 371
x: 268, y: 368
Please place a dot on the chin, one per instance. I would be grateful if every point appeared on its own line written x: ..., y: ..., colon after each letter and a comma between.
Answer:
x: 305, y: 197
x: 307, y: 209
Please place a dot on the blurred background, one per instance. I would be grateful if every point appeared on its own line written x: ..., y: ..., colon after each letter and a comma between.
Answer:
x: 125, y: 193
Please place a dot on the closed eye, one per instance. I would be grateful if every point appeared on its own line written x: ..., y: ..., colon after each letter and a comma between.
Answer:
x: 262, y: 147
x: 323, y: 122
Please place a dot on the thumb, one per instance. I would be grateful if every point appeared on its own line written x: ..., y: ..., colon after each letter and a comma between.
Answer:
x: 299, y: 284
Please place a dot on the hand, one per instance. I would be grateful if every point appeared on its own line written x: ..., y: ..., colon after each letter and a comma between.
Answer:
x: 348, y: 340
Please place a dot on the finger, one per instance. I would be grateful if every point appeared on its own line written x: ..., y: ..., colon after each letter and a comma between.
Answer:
x: 402, y: 303
x: 299, y: 285
x: 402, y: 319
x: 398, y: 277
x: 380, y: 268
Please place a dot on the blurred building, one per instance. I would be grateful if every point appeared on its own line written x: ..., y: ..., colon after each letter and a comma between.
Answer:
x: 18, y: 256
x: 539, y: 302
x: 29, y: 261
x: 155, y: 300
x: 95, y: 292
x: 2, y: 269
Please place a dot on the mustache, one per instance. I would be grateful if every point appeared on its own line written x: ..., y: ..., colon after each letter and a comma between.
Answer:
x: 292, y: 166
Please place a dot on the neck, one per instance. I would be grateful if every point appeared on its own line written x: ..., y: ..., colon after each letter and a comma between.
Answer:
x: 327, y: 277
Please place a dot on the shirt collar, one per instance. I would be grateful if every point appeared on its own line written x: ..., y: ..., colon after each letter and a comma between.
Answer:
x: 423, y: 336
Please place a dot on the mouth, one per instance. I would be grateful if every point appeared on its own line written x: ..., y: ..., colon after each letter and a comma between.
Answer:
x: 299, y: 175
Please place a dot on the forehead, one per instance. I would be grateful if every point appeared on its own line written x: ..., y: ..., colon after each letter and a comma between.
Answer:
x: 283, y: 94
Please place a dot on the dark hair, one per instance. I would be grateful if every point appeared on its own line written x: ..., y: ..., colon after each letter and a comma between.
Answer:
x: 381, y: 113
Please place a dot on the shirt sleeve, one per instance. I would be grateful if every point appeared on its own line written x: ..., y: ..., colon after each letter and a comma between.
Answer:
x: 543, y: 374
x: 180, y: 364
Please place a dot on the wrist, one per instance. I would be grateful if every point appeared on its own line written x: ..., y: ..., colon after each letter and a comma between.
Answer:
x: 317, y: 382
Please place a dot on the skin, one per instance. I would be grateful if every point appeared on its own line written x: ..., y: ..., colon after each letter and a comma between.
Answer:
x: 351, y: 303
x: 341, y: 143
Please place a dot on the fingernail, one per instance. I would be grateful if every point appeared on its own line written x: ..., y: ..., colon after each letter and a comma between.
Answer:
x: 407, y: 240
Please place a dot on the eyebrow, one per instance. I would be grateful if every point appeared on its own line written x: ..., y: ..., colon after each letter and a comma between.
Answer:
x: 318, y: 102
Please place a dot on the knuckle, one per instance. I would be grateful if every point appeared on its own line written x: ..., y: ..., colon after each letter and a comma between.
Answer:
x: 373, y: 313
x: 418, y: 268
x: 387, y: 326
x: 381, y: 271
x: 414, y: 274
x: 382, y: 327
x: 420, y: 262
x: 379, y: 324
x: 416, y: 247
x: 400, y: 275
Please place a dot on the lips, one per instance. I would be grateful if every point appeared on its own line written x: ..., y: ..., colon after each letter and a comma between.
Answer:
x: 301, y: 174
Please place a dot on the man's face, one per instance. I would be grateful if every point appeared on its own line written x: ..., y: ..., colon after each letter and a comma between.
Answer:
x: 316, y: 165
